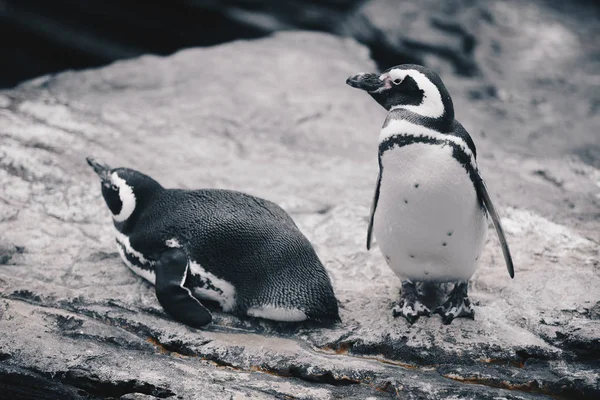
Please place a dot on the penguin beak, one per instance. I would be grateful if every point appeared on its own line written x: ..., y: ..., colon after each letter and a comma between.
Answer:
x: 102, y: 170
x: 366, y: 81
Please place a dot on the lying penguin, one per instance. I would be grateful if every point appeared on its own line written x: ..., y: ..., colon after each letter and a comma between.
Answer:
x: 430, y: 208
x: 241, y: 251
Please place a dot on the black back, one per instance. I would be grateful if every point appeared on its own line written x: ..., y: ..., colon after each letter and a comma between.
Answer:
x: 247, y: 241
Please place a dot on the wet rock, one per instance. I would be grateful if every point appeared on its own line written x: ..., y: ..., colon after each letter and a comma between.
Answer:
x: 7, y: 253
x: 278, y: 123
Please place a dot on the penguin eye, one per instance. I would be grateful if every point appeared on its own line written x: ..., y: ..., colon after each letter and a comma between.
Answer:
x: 397, y: 81
x: 114, y: 187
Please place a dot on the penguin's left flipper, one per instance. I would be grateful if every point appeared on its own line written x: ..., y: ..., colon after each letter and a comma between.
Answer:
x: 177, y: 300
x: 489, y: 206
x: 373, y: 208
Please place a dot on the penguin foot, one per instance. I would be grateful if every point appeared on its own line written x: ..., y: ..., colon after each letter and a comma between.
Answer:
x: 410, y: 307
x: 458, y: 305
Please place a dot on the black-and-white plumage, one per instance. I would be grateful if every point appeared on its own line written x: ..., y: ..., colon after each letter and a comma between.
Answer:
x: 240, y: 251
x: 429, y: 211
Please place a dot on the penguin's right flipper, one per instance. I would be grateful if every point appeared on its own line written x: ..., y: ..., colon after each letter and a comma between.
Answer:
x: 373, y: 209
x: 489, y: 206
x: 177, y: 300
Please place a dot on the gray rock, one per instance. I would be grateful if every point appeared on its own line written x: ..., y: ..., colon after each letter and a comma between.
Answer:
x: 537, y: 66
x: 273, y: 117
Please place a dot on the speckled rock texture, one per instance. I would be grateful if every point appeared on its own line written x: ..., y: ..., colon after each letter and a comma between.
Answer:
x: 273, y: 118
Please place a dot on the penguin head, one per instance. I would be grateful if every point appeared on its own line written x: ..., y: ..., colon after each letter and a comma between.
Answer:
x: 124, y: 190
x: 407, y: 86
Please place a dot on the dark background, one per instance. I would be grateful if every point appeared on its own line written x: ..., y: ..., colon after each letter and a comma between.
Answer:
x: 40, y: 36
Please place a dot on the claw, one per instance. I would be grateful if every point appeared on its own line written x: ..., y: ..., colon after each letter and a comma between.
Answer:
x: 411, y: 311
x: 410, y: 306
x: 457, y: 306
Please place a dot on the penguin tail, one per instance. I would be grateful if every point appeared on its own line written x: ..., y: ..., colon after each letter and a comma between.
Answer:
x: 325, y: 309
x: 323, y: 305
x: 324, y: 320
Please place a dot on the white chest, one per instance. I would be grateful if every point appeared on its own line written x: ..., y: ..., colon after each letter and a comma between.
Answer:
x: 428, y: 223
x: 134, y: 259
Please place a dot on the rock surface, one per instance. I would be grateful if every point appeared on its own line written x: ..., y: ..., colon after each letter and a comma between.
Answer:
x: 273, y: 117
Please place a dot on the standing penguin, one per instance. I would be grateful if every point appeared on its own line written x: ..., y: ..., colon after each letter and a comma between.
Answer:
x: 241, y: 251
x: 430, y: 208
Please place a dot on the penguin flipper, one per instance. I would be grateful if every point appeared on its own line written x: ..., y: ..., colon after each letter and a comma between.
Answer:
x: 176, y: 299
x: 373, y: 209
x: 489, y: 206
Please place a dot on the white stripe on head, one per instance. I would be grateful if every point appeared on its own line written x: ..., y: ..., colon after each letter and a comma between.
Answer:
x: 126, y: 195
x: 432, y: 105
x: 404, y: 127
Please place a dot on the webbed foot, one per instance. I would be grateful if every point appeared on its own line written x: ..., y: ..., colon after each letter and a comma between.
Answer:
x: 458, y: 305
x: 410, y: 306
